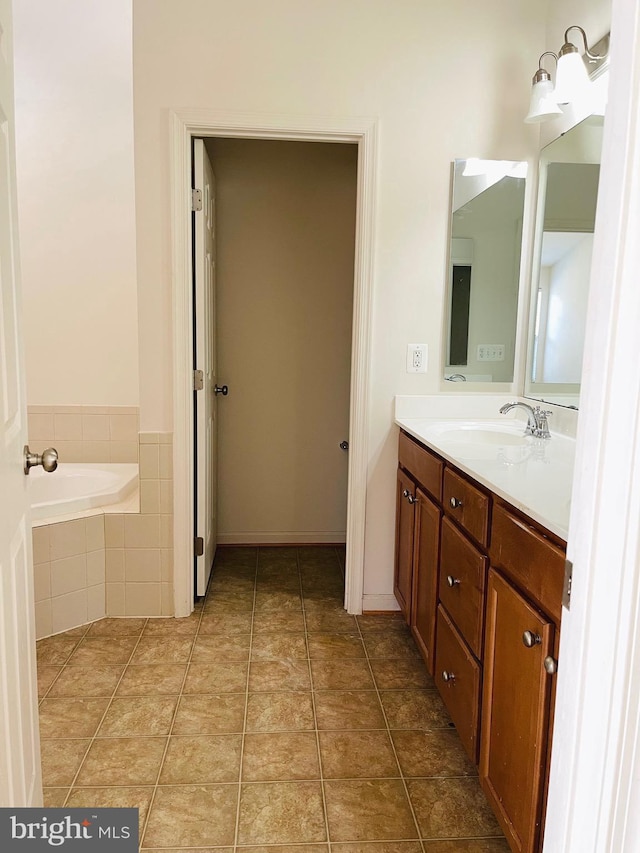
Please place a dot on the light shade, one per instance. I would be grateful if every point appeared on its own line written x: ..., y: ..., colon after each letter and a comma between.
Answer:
x: 543, y: 106
x: 572, y: 78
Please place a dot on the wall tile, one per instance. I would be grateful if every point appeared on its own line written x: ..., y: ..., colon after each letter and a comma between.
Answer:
x: 96, y: 567
x: 166, y: 531
x: 115, y: 599
x: 114, y: 565
x: 67, y: 427
x: 94, y: 410
x: 41, y: 544
x: 96, y: 602
x: 68, y: 575
x: 95, y: 427
x: 95, y: 533
x: 142, y: 531
x: 40, y: 410
x: 142, y: 565
x: 123, y: 427
x: 68, y: 451
x: 165, y: 437
x: 149, y: 462
x: 69, y: 611
x: 166, y: 461
x: 167, y: 599
x: 149, y: 438
x: 123, y: 410
x: 68, y: 539
x: 40, y: 426
x: 96, y: 451
x: 114, y: 530
x: 44, y: 624
x: 42, y: 581
x: 142, y: 599
x: 166, y: 565
x: 166, y: 496
x: 150, y: 497
x: 123, y: 451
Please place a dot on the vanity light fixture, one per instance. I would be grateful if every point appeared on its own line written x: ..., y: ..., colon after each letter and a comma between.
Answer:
x: 543, y: 106
x: 572, y: 79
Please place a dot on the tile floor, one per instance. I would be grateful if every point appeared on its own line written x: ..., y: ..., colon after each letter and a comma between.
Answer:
x: 268, y: 717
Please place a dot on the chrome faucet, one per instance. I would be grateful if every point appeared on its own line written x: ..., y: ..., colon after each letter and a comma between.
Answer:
x: 537, y: 423
x: 456, y: 377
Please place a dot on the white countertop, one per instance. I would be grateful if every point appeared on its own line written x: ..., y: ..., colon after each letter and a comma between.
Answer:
x: 535, y: 478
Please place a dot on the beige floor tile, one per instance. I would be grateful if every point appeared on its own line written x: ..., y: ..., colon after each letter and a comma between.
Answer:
x: 332, y: 621
x: 192, y: 816
x: 96, y: 651
x: 357, y: 755
x: 438, y: 753
x: 270, y: 712
x: 53, y: 798
x: 79, y: 716
x: 202, y: 760
x: 186, y: 626
x: 271, y: 675
x: 60, y: 761
x: 225, y: 601
x: 46, y: 676
x: 117, y: 628
x: 378, y: 847
x: 287, y: 848
x: 385, y: 622
x: 220, y: 647
x: 87, y: 681
x: 55, y: 650
x: 122, y: 762
x: 216, y: 678
x: 113, y: 798
x: 207, y: 715
x: 401, y: 673
x: 281, y: 813
x: 139, y: 716
x: 271, y: 757
x: 341, y: 675
x: 268, y: 621
x: 226, y: 623
x: 152, y: 679
x: 414, y: 709
x: 490, y: 845
x: 163, y: 650
x: 331, y: 646
x: 348, y: 709
x: 275, y: 600
x: 372, y: 810
x: 451, y: 808
x: 278, y: 647
x: 390, y: 644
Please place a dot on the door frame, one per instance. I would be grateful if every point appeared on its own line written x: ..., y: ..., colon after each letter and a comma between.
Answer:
x: 185, y: 124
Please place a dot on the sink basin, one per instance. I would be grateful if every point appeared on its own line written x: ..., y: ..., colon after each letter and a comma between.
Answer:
x: 492, y: 433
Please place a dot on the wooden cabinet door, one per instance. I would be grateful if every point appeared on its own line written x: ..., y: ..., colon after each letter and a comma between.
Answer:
x: 425, y: 576
x: 515, y: 712
x: 405, y: 513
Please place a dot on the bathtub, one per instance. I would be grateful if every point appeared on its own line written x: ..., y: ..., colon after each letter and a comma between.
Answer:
x: 77, y: 486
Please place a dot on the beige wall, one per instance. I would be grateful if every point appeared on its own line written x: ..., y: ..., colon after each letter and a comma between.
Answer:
x: 74, y: 139
x: 285, y: 244
x: 443, y: 80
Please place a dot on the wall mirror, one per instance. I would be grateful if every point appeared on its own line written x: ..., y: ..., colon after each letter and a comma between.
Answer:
x: 484, y: 270
x: 565, y: 220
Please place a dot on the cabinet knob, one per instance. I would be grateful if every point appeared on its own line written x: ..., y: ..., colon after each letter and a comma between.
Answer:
x: 405, y: 493
x: 412, y: 499
x: 531, y: 639
x: 550, y: 665
x: 453, y: 581
x: 455, y: 503
x: 448, y: 677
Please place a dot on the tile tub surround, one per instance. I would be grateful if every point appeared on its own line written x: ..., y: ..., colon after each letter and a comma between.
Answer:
x: 85, y: 433
x: 268, y: 717
x: 131, y: 573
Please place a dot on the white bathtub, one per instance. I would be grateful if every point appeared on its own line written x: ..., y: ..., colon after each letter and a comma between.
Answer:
x: 77, y: 486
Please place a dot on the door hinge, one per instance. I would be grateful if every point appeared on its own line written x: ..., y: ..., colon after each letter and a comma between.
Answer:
x: 568, y: 579
x: 198, y: 546
x: 196, y: 199
x: 198, y: 380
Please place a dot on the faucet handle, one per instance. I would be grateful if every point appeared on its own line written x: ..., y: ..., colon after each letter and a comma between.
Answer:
x: 542, y: 425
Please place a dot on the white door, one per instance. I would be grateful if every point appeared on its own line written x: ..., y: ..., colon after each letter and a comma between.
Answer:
x: 206, y: 399
x: 20, y: 778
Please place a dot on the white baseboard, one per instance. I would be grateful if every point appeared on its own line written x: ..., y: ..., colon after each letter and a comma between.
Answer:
x: 282, y: 538
x: 379, y: 602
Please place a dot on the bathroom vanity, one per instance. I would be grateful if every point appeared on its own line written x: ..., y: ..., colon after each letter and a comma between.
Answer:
x: 481, y: 521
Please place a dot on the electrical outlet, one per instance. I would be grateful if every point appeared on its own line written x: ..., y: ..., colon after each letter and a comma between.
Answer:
x: 416, y: 358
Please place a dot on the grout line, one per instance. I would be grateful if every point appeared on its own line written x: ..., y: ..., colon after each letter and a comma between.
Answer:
x: 246, y: 703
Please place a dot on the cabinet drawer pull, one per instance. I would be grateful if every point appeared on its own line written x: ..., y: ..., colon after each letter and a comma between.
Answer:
x: 448, y: 677
x: 550, y: 665
x: 453, y: 581
x: 455, y: 503
x: 531, y: 639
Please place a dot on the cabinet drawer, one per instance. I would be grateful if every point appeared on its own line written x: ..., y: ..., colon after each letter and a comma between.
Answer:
x: 458, y: 678
x: 462, y: 584
x: 467, y: 504
x: 425, y: 467
x: 529, y: 558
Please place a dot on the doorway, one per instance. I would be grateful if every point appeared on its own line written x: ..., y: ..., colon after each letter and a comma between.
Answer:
x: 285, y: 247
x: 185, y: 125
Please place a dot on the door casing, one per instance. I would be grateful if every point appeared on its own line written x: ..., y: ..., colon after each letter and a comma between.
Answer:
x: 186, y: 124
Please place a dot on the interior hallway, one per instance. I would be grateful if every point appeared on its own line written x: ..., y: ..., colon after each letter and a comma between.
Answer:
x: 268, y: 717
